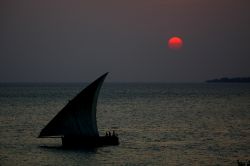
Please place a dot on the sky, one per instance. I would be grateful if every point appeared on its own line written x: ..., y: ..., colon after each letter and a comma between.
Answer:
x: 78, y: 40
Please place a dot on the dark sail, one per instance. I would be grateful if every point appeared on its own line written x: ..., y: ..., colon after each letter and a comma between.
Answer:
x: 78, y: 117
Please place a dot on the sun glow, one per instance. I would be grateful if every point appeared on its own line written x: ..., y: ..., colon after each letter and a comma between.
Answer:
x: 175, y: 43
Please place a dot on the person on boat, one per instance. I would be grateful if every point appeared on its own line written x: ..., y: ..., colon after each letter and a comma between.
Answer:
x: 106, y: 134
x: 114, y: 134
x: 109, y: 134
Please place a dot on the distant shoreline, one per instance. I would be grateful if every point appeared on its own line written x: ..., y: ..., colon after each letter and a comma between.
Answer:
x: 230, y: 80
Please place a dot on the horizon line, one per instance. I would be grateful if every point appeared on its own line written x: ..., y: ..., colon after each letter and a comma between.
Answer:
x: 77, y: 82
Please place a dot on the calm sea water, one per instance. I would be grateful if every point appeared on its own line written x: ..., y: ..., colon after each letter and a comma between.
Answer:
x: 158, y: 124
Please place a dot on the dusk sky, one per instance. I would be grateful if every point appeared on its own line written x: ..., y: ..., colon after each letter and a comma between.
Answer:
x: 79, y: 40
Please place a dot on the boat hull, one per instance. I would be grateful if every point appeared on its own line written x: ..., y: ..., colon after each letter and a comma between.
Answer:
x: 75, y: 142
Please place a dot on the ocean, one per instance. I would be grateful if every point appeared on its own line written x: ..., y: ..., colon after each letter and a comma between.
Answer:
x: 157, y: 123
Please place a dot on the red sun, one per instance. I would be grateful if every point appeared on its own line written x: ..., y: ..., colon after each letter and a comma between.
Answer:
x: 175, y: 43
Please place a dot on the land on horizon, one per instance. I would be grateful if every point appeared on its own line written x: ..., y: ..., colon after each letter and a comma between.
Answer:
x: 230, y: 80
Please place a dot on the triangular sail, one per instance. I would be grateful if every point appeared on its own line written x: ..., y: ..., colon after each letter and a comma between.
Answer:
x: 78, y: 117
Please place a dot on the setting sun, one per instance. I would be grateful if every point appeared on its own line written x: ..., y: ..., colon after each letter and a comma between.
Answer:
x: 175, y: 43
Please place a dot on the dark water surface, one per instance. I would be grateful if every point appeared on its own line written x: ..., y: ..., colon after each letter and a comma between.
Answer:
x: 158, y: 124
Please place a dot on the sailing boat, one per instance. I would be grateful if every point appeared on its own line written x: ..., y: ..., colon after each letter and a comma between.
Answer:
x: 76, y: 123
